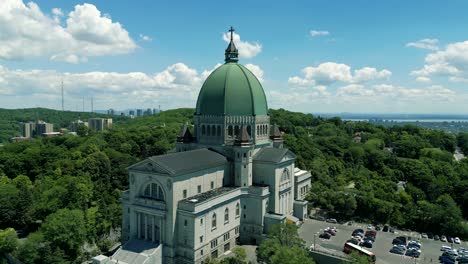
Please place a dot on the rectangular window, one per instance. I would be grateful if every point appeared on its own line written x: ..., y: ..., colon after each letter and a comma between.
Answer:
x: 184, y: 194
x: 227, y: 246
x: 214, y: 254
x: 201, y: 252
x: 212, y: 185
x: 236, y: 230
x: 226, y: 236
x: 201, y: 239
x: 214, y: 243
x: 199, y: 188
x: 201, y: 221
x: 245, y: 155
x: 185, y: 222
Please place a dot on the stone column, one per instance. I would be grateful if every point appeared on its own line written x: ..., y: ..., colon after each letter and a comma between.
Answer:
x: 138, y: 225
x: 146, y: 226
x: 153, y: 229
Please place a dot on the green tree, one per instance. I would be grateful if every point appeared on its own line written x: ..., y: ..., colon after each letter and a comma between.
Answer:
x: 66, y: 230
x: 283, y: 245
x: 8, y: 241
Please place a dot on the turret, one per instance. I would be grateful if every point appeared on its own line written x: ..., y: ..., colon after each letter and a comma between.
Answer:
x: 243, y: 148
x: 275, y: 136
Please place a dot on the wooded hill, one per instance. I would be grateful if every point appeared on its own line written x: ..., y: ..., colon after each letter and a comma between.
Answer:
x: 72, y: 184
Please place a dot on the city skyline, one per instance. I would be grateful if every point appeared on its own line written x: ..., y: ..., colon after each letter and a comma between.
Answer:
x: 311, y: 57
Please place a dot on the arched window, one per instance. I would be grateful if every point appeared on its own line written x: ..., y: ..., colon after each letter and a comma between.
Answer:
x: 285, y: 176
x: 203, y: 130
x: 236, y: 130
x: 213, y: 130
x: 208, y: 130
x: 213, y: 221
x: 249, y: 130
x: 230, y: 131
x: 226, y: 215
x: 218, y: 131
x: 154, y: 191
x: 237, y: 209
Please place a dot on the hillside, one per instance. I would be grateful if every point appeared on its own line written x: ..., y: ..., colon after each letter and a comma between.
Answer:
x: 10, y: 119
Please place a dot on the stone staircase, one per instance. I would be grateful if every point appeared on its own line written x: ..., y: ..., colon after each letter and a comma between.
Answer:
x: 133, y: 252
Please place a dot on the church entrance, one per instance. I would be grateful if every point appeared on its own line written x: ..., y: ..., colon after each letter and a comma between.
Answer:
x: 149, y: 227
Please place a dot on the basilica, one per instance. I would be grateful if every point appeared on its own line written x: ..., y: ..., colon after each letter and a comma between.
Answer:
x: 228, y: 180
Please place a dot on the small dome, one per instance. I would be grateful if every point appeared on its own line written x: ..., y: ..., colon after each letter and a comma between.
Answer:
x: 232, y: 90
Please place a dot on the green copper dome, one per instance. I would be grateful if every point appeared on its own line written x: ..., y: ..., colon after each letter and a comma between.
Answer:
x: 232, y: 90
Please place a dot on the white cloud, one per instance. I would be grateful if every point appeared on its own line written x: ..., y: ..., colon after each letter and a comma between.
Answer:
x: 28, y: 32
x: 330, y: 72
x: 423, y: 79
x: 429, y: 44
x: 367, y: 74
x: 256, y: 70
x: 451, y: 62
x: 175, y: 86
x: 246, y: 49
x: 314, y: 33
x: 145, y: 38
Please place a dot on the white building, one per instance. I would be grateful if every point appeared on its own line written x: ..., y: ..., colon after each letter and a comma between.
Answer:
x: 225, y: 184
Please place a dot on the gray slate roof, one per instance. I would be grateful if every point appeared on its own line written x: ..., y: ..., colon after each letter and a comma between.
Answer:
x: 189, y: 161
x: 273, y: 155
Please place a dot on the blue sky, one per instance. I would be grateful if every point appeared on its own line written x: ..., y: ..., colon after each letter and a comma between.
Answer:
x: 311, y: 56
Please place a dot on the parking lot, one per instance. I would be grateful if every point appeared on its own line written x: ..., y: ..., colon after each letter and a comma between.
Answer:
x: 430, y: 250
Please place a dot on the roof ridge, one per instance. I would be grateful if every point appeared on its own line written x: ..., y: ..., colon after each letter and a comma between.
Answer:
x: 250, y: 87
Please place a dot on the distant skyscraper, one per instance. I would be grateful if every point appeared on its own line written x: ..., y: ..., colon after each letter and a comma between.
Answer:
x: 139, y: 112
x: 131, y: 113
x: 110, y: 112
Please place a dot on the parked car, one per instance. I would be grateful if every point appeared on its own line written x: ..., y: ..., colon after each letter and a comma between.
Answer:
x: 371, y: 233
x: 412, y: 252
x: 332, y: 220
x: 331, y: 232
x: 430, y: 235
x: 414, y: 244
x: 403, y: 239
x: 436, y: 237
x: 358, y: 231
x: 443, y: 238
x: 378, y: 228
x: 367, y: 244
x: 447, y: 259
x: 385, y: 228
x: 392, y: 230
x: 457, y: 240
x: 424, y: 235
x: 397, y: 250
x: 450, y: 239
x: 397, y: 241
x: 320, y: 218
x: 350, y: 223
x: 325, y: 236
x: 445, y: 248
x: 369, y: 227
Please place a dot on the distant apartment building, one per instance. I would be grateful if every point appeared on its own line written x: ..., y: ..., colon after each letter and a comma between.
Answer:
x: 99, y: 124
x: 139, y: 112
x: 111, y: 112
x: 43, y: 128
x: 76, y: 124
x: 131, y: 113
x: 31, y: 129
x: 27, y: 129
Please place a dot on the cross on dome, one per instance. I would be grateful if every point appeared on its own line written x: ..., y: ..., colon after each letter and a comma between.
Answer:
x: 231, y: 54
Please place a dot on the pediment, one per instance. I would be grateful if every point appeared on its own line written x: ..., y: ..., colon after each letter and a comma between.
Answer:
x: 148, y: 166
x: 289, y: 156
